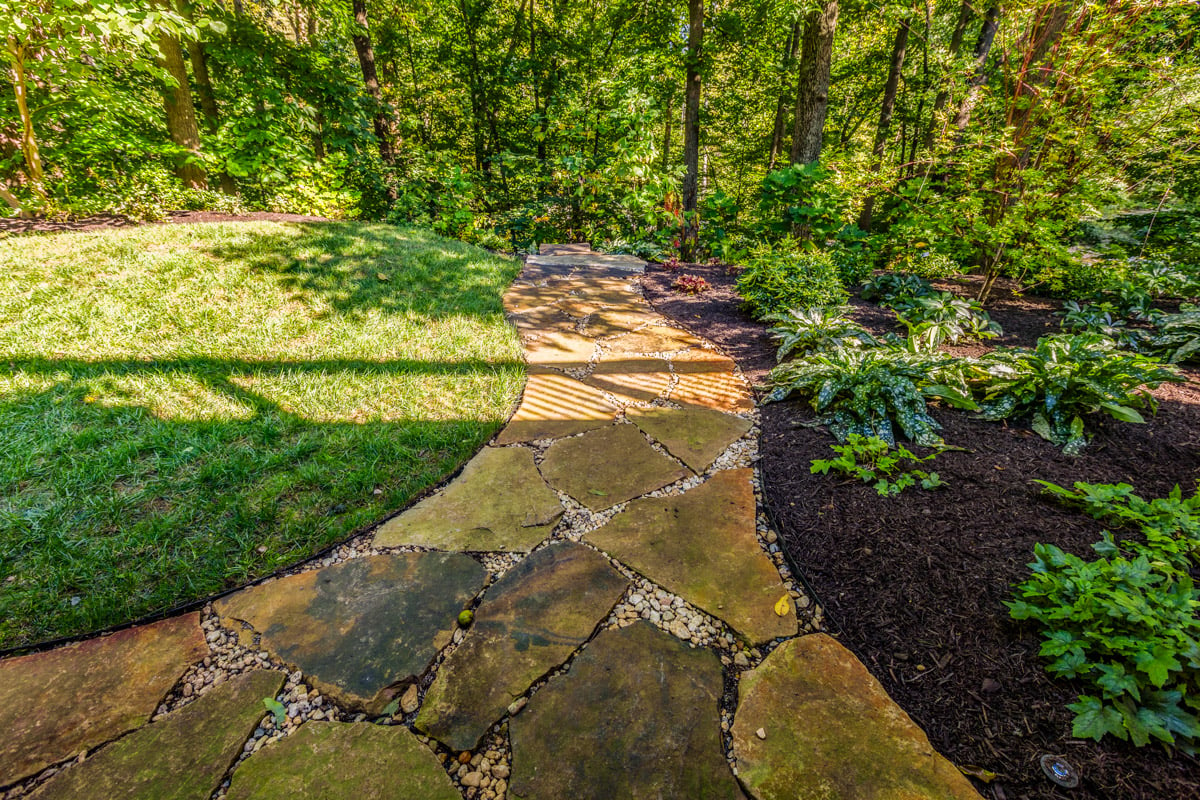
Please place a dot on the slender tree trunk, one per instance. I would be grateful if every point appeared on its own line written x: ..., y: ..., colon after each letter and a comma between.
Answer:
x: 366, y: 61
x: 791, y: 48
x: 812, y: 94
x: 181, y: 114
x: 691, y: 129
x: 318, y: 136
x: 983, y: 46
x: 666, y: 148
x: 899, y: 49
x: 965, y: 15
x: 29, y: 145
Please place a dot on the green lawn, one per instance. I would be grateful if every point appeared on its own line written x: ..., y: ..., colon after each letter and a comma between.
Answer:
x: 174, y: 399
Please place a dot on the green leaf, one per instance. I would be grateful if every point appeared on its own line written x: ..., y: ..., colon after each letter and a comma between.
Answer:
x: 1093, y: 720
x: 277, y: 710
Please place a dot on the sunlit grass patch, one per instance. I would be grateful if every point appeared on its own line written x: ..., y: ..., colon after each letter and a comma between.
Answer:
x: 174, y: 399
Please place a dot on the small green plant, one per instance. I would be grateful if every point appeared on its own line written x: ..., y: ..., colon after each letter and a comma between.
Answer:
x: 277, y: 710
x: 1177, y: 336
x: 866, y: 392
x: 941, y: 317
x: 1125, y: 624
x: 802, y: 331
x: 873, y: 461
x: 1065, y: 377
x: 785, y: 276
x: 890, y: 288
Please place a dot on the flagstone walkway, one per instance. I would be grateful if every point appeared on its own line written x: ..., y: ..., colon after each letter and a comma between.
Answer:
x: 593, y: 608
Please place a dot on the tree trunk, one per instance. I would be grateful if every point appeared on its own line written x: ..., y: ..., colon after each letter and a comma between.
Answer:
x: 943, y: 96
x: 899, y: 49
x: 983, y: 46
x: 29, y: 146
x: 208, y: 99
x: 366, y: 60
x: 666, y: 148
x: 691, y: 129
x: 812, y: 92
x: 181, y: 114
x: 791, y: 48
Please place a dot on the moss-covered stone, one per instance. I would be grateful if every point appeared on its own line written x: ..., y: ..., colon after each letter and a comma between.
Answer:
x: 499, y: 502
x: 696, y: 436
x: 530, y: 621
x: 608, y: 466
x: 124, y: 676
x: 361, y: 628
x: 181, y: 757
x: 343, y: 761
x: 832, y: 732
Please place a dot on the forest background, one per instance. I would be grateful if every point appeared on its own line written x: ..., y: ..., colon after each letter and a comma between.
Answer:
x: 1028, y: 138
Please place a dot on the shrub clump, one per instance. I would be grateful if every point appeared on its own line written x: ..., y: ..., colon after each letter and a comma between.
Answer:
x: 781, y: 278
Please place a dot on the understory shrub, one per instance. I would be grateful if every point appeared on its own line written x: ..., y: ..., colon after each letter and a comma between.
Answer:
x: 803, y: 331
x: 892, y: 288
x: 780, y: 277
x: 1126, y: 623
x: 1065, y: 377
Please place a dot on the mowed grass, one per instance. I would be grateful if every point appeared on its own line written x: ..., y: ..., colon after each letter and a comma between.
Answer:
x: 186, y: 407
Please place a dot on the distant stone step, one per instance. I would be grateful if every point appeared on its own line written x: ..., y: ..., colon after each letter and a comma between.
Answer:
x: 574, y: 248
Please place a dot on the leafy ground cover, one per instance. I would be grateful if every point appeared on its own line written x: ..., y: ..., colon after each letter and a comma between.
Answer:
x: 916, y: 584
x: 184, y: 408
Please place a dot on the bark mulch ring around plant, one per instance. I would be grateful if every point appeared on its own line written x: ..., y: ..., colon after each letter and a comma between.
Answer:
x: 914, y: 584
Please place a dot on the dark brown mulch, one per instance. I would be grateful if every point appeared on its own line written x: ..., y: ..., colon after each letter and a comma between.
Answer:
x: 12, y: 225
x: 914, y: 585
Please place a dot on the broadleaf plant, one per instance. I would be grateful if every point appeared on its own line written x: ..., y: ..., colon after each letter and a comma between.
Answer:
x: 803, y: 331
x: 871, y: 460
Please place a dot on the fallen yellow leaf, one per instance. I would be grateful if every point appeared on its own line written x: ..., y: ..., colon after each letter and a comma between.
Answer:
x: 783, y: 607
x: 979, y: 773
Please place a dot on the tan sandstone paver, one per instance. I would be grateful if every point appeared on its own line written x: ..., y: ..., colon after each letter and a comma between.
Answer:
x: 707, y: 379
x: 701, y: 545
x: 123, y: 678
x: 615, y: 322
x: 343, y: 761
x: 653, y: 339
x: 554, y: 406
x: 538, y: 323
x: 831, y: 731
x: 632, y: 379
x: 696, y: 436
x: 499, y: 502
x: 608, y: 466
x: 361, y: 628
x: 561, y: 350
x: 530, y: 621
x: 636, y: 717
x: 183, y: 756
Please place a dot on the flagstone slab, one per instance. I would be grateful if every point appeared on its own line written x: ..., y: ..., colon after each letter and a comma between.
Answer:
x: 590, y: 260
x: 632, y: 379
x: 520, y: 298
x: 832, y: 732
x: 499, y: 502
x: 183, y: 756
x: 343, y: 761
x: 608, y: 466
x: 537, y: 323
x: 530, y: 621
x: 125, y: 676
x: 585, y: 302
x: 616, y: 321
x: 653, y: 339
x: 564, y: 248
x: 636, y: 717
x: 564, y: 350
x: 707, y: 379
x: 555, y: 405
x: 362, y: 628
x: 696, y: 436
x: 701, y: 545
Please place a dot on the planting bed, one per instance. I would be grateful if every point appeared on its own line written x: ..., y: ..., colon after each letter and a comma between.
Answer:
x: 914, y: 584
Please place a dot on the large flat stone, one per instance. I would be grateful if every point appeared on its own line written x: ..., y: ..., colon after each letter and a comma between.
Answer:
x: 123, y: 676
x: 499, y: 502
x: 608, y: 466
x: 617, y: 321
x: 361, y: 628
x: 632, y: 379
x: 707, y: 380
x: 636, y: 717
x: 702, y: 546
x: 521, y: 298
x: 563, y: 248
x: 832, y: 732
x: 591, y: 300
x: 343, y: 761
x: 537, y: 323
x: 530, y: 622
x: 696, y: 436
x: 588, y: 260
x: 653, y: 339
x: 181, y: 757
x: 554, y: 405
x: 560, y: 350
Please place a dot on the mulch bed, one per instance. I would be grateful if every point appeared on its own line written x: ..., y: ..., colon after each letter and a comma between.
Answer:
x: 914, y: 584
x: 13, y: 225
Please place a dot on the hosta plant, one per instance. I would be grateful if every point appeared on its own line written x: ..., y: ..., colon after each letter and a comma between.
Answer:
x: 1177, y: 336
x: 889, y: 288
x: 870, y: 392
x: 1127, y: 623
x: 801, y: 331
x: 1065, y: 377
x: 1085, y: 318
x: 941, y: 317
x: 871, y: 460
